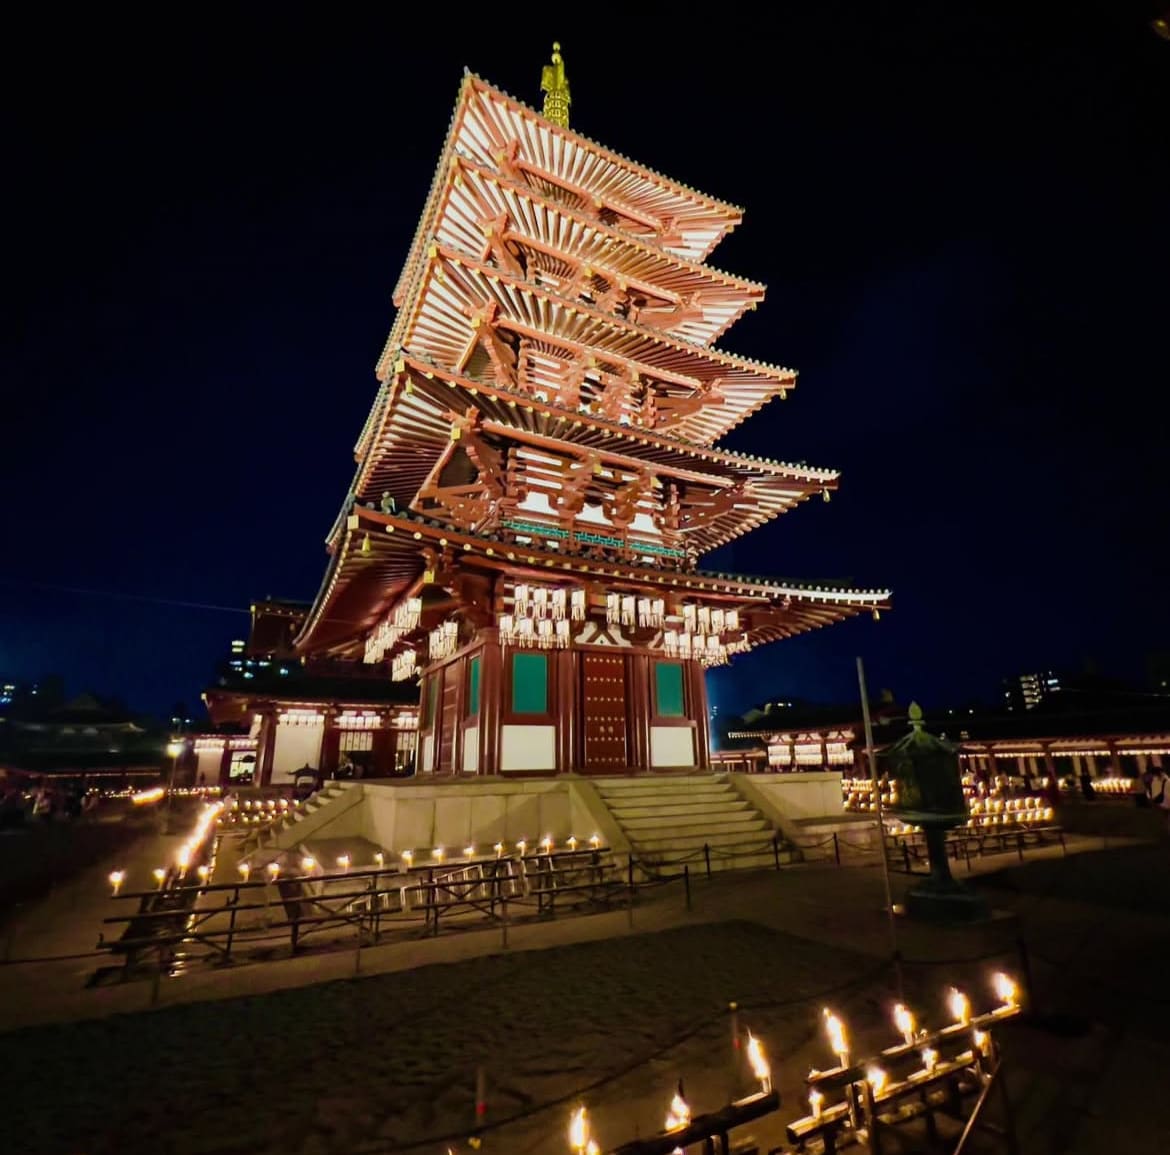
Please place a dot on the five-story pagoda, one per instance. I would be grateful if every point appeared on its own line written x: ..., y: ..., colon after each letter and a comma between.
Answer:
x: 537, y: 478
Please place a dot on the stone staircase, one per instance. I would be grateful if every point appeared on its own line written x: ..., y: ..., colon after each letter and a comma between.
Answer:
x: 303, y: 819
x: 670, y: 819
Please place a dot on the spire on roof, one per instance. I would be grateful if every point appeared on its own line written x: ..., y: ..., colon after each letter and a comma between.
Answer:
x: 555, y: 86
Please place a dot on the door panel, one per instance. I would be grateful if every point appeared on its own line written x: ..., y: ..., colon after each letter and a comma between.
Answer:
x: 603, y: 713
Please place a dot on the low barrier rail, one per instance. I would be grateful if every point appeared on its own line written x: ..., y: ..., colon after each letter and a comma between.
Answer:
x: 184, y: 920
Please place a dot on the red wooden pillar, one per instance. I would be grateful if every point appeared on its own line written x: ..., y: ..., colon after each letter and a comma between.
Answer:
x: 697, y: 695
x: 565, y: 709
x: 491, y: 696
x: 330, y: 756
x: 639, y: 711
x: 266, y: 747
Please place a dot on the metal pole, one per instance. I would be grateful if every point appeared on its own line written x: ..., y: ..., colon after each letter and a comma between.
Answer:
x: 881, y: 824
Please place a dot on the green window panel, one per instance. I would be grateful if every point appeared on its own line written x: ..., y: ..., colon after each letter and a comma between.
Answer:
x: 668, y: 687
x: 473, y: 686
x: 529, y: 683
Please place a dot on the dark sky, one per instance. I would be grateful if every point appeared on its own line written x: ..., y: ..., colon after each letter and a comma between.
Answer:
x: 963, y: 221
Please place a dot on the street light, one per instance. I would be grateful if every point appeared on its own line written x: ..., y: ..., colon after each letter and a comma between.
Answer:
x: 174, y: 749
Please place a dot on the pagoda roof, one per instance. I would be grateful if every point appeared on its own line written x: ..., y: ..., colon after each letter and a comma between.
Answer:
x: 487, y: 120
x: 440, y: 328
x: 570, y: 239
x: 376, y: 557
x: 414, y: 434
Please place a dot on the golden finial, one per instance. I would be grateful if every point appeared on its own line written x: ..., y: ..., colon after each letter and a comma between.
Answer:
x: 555, y: 86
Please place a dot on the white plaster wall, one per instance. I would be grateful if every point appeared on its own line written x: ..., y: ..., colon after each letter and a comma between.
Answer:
x: 296, y: 746
x: 528, y: 748
x: 471, y: 750
x: 208, y: 763
x: 672, y: 746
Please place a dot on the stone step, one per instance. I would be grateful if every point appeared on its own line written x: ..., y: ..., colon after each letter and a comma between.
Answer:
x: 695, y: 823
x: 669, y: 842
x: 714, y: 793
x: 649, y: 782
x: 675, y: 809
x: 748, y: 826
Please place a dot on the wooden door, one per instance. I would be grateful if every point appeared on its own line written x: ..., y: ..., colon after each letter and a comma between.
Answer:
x: 603, y: 713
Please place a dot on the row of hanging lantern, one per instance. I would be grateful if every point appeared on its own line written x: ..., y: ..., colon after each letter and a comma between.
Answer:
x: 404, y: 666
x: 540, y: 602
x: 704, y: 636
x: 443, y: 640
x: 544, y: 633
x: 627, y: 610
x: 405, y: 618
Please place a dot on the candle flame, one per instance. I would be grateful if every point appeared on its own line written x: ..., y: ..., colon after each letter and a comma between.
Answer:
x: 679, y: 1114
x: 759, y: 1064
x: 591, y: 1148
x: 159, y: 875
x: 343, y: 861
x: 469, y: 851
x: 837, y: 1040
x: 308, y: 863
x: 815, y: 1100
x: 904, y: 1021
x: 408, y: 856
x: 877, y: 1079
x: 579, y: 1130
x: 203, y: 872
x: 595, y: 841
x: 379, y: 859
x: 274, y: 869
x: 116, y: 879
x: 960, y: 1006
x: 981, y: 1039
x: 546, y: 843
x: 498, y: 848
x: 438, y: 853
x: 1005, y: 989
x: 929, y: 1058
x: 572, y: 842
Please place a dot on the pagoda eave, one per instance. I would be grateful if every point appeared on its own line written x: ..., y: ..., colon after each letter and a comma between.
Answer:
x: 487, y: 121
x: 380, y: 555
x: 414, y: 430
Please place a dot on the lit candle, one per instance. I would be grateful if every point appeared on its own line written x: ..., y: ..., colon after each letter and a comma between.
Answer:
x: 837, y: 1040
x: 815, y: 1101
x: 595, y: 841
x: 438, y: 854
x: 116, y: 879
x: 245, y: 869
x: 877, y: 1079
x: 379, y: 859
x: 904, y: 1021
x: 204, y: 873
x: 469, y: 850
x: 522, y: 846
x: 499, y: 849
x: 679, y: 1114
x: 579, y: 1131
x: 408, y: 858
x: 759, y: 1063
x: 572, y: 842
x: 929, y: 1059
x: 546, y: 844
x: 308, y: 864
x: 1005, y: 989
x: 960, y: 1006
x: 981, y: 1040
x: 273, y: 870
x: 160, y: 876
x: 343, y: 862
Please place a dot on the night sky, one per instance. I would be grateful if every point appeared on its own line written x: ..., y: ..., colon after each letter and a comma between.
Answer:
x: 963, y: 221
